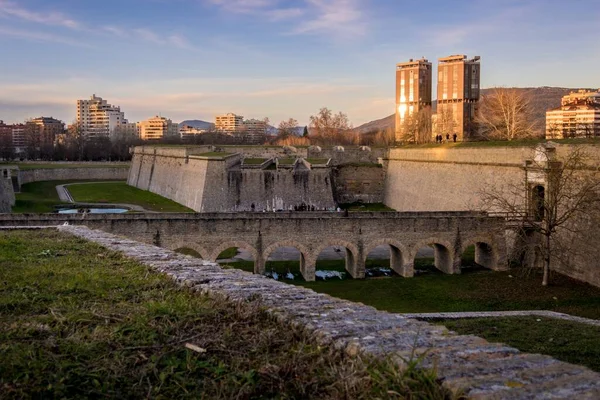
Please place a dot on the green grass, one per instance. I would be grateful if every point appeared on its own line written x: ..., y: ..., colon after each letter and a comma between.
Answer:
x: 38, y: 197
x: 567, y: 341
x: 228, y: 253
x: 79, y: 321
x: 120, y: 192
x: 317, y: 161
x: 220, y: 154
x: 254, y: 161
x: 286, y: 161
x: 432, y: 291
x: 56, y: 165
x: 359, y: 206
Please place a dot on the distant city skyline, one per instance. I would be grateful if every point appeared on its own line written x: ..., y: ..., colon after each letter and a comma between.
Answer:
x: 195, y: 59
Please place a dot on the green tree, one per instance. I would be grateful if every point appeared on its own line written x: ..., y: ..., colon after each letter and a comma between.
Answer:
x: 305, y: 134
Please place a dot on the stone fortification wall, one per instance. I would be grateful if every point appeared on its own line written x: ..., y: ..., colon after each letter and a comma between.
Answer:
x: 340, y: 155
x: 359, y: 183
x: 88, y: 173
x: 209, y: 184
x: 7, y: 194
x: 443, y: 179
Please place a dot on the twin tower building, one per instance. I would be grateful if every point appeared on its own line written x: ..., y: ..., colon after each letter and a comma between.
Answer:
x: 457, y: 98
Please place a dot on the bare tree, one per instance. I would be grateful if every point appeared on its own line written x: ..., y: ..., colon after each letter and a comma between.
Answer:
x: 505, y: 114
x: 287, y: 128
x: 76, y: 140
x: 558, y: 193
x: 331, y: 128
x: 444, y: 123
x: 416, y: 127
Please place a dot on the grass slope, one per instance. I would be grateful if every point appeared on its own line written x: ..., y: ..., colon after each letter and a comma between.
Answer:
x: 38, y: 197
x: 78, y: 321
x: 120, y: 192
x: 567, y: 341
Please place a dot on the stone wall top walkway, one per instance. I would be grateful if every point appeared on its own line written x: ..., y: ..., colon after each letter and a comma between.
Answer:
x: 484, y: 370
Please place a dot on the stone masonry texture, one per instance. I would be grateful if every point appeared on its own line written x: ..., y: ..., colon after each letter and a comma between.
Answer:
x: 483, y: 370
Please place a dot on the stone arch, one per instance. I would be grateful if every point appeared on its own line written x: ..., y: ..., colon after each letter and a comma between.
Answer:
x: 234, y: 243
x: 400, y: 260
x: 204, y: 254
x: 486, y: 251
x: 354, y: 265
x: 443, y: 254
x: 307, y: 270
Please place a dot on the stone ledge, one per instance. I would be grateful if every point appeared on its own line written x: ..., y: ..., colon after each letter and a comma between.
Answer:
x: 482, y: 369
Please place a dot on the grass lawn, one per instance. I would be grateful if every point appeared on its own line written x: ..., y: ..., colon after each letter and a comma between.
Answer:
x: 38, y: 197
x: 433, y: 291
x: 254, y: 161
x: 78, y: 321
x: 317, y: 161
x: 55, y: 165
x: 567, y: 341
x: 286, y: 161
x: 220, y: 154
x: 120, y: 192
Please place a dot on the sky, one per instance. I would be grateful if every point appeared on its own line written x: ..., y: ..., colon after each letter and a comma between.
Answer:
x: 194, y: 59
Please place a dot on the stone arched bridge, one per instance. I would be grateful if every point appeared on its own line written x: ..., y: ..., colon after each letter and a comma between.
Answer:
x: 450, y: 233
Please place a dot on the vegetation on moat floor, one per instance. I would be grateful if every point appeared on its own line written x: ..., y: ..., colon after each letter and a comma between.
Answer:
x: 475, y: 289
x: 359, y: 206
x: 56, y: 165
x: 78, y: 321
x: 564, y: 340
x: 38, y: 197
x: 121, y: 192
x: 317, y: 161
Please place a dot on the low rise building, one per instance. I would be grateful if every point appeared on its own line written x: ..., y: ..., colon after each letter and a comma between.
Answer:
x: 577, y: 117
x: 157, y: 128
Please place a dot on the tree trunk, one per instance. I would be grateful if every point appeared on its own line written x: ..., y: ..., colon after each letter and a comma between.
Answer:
x: 546, y: 262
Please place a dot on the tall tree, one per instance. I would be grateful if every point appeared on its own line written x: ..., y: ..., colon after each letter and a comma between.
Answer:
x: 416, y: 127
x: 559, y: 193
x: 505, y: 114
x: 305, y: 134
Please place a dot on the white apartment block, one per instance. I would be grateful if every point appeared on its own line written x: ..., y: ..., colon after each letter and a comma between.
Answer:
x: 228, y: 122
x: 187, y: 130
x: 577, y: 117
x: 97, y: 118
x: 157, y: 128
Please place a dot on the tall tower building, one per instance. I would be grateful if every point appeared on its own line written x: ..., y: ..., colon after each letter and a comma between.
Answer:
x: 457, y: 95
x: 413, y: 91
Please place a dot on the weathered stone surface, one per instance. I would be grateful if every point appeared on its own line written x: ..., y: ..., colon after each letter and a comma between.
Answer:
x: 484, y: 370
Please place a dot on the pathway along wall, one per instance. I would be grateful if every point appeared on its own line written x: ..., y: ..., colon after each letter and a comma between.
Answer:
x: 445, y: 179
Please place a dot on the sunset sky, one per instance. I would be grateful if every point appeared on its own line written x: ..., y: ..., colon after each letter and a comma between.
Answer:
x: 192, y: 59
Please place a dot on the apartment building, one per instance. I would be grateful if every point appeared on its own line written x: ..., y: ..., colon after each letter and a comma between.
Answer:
x: 45, y: 130
x: 413, y: 91
x: 577, y: 117
x: 228, y: 122
x: 458, y: 90
x: 157, y: 128
x: 253, y: 131
x: 97, y: 118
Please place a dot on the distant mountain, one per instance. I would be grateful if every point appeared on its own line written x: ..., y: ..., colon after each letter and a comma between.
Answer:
x: 196, y: 123
x: 542, y: 99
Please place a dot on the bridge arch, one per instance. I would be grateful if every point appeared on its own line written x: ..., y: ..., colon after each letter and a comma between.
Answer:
x: 486, y: 251
x: 234, y: 243
x: 354, y: 265
x: 443, y: 253
x: 204, y: 254
x: 400, y: 260
x: 307, y: 271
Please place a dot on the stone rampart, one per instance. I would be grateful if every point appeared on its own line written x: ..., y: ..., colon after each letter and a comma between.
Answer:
x: 87, y: 173
x: 456, y: 179
x: 7, y: 194
x: 359, y: 183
